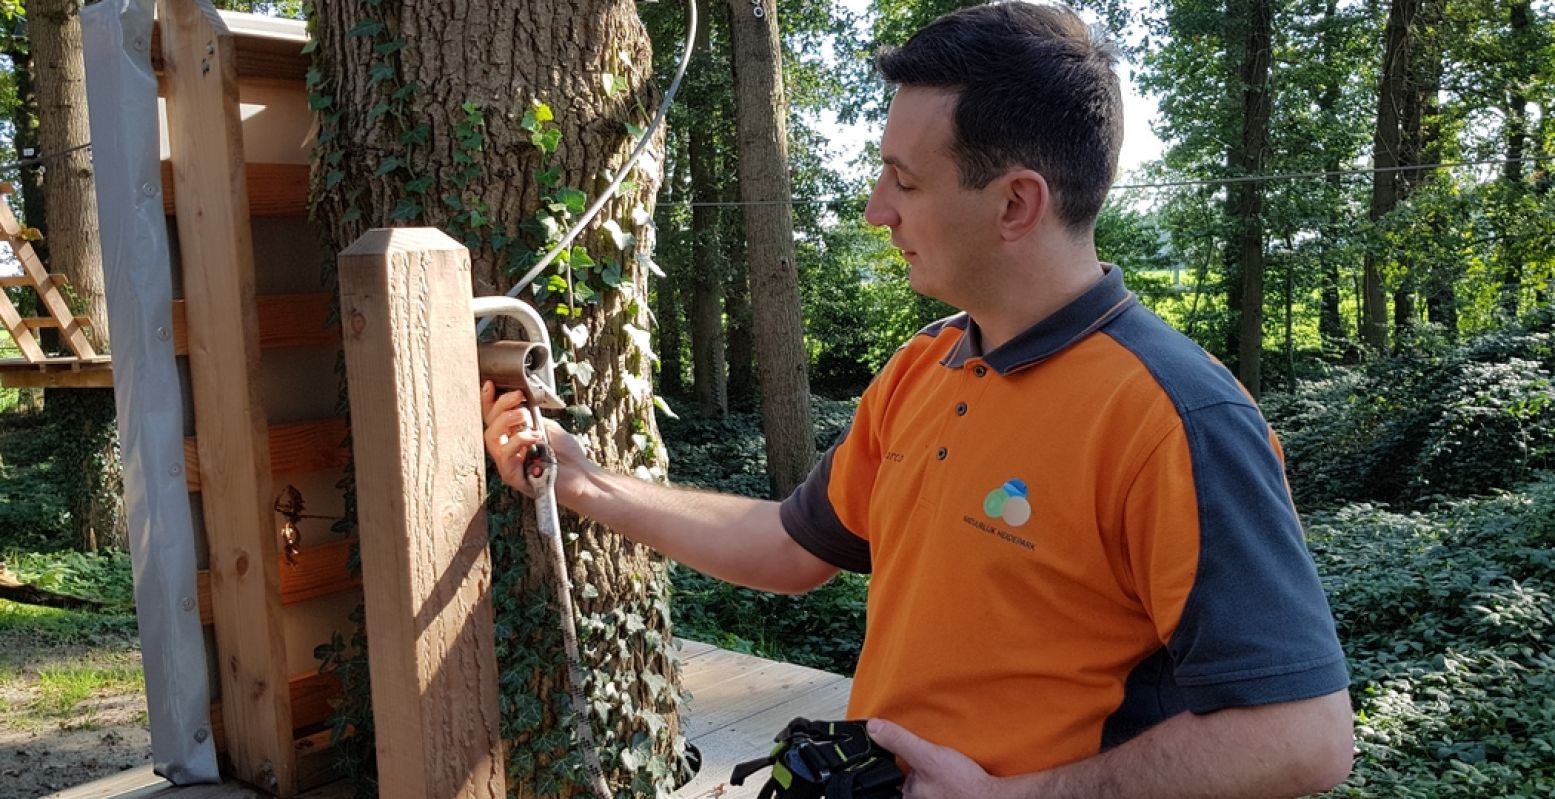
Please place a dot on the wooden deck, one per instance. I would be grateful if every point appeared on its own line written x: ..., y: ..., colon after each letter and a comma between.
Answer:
x: 738, y: 702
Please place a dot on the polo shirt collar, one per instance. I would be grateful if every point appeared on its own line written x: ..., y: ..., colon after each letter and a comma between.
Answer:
x: 1083, y: 316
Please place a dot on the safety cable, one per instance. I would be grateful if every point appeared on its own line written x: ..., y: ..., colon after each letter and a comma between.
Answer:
x: 626, y: 169
x: 43, y: 158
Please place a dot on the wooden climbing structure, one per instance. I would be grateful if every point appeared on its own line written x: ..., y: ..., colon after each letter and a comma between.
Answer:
x: 84, y: 367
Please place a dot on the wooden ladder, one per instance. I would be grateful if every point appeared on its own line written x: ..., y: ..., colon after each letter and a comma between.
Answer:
x: 57, y: 313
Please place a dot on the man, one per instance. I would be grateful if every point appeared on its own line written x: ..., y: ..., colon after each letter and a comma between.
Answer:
x: 1088, y: 579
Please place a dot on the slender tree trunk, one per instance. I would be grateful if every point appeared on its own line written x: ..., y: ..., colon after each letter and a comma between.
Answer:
x: 428, y: 117
x: 1330, y: 325
x: 84, y: 417
x: 1246, y: 199
x: 1521, y: 15
x: 744, y: 392
x: 781, y: 361
x: 24, y: 121
x: 707, y: 336
x: 1387, y: 153
x: 667, y: 313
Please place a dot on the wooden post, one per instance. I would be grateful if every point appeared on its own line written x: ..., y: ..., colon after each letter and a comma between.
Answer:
x: 216, y: 247
x: 421, y: 479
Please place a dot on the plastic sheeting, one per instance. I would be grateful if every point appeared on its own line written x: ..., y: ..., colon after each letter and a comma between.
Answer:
x: 122, y: 96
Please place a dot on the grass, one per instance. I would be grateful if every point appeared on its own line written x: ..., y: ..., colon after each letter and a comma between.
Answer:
x: 37, y: 626
x: 60, y: 690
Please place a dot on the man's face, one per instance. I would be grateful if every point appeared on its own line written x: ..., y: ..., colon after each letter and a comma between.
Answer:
x: 942, y: 229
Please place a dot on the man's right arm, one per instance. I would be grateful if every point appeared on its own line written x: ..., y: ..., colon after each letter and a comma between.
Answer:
x: 736, y: 539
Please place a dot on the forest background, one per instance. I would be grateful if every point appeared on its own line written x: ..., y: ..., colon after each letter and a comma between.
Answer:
x: 1352, y: 210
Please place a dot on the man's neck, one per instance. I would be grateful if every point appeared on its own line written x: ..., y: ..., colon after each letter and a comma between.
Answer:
x: 1048, y: 281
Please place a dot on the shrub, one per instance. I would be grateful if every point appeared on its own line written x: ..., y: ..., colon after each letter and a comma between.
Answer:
x: 1447, y: 618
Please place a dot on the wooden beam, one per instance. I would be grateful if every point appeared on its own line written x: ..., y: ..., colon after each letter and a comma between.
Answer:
x: 295, y: 448
x: 308, y: 695
x: 10, y: 281
x: 11, y: 320
x: 320, y: 570
x: 40, y: 322
x: 49, y: 295
x: 274, y: 190
x: 88, y: 375
x: 285, y: 320
x: 411, y: 373
x: 216, y: 244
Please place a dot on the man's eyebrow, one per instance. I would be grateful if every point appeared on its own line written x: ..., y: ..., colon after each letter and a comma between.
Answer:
x: 893, y: 161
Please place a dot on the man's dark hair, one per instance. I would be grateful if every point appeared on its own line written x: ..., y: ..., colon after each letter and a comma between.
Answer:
x: 1034, y: 90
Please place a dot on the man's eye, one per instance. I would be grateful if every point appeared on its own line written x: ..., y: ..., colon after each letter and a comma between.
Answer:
x: 903, y: 187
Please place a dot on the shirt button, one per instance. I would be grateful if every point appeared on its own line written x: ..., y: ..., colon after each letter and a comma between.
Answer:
x: 961, y: 409
x: 980, y: 370
x: 942, y: 453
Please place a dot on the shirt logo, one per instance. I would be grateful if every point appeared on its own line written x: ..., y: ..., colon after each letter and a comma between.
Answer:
x: 1008, y: 502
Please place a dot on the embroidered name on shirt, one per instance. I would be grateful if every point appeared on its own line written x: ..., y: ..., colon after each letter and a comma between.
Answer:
x: 895, y: 457
x: 1001, y: 534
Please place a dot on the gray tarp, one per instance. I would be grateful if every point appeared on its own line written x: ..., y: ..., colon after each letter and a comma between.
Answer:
x: 122, y: 95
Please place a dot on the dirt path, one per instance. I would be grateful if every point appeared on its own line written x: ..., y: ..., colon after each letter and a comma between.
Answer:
x: 69, y: 713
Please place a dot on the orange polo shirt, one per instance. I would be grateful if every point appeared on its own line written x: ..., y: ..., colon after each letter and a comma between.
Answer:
x: 1072, y: 538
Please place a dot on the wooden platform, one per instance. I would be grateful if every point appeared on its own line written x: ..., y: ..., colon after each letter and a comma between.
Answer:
x: 738, y: 702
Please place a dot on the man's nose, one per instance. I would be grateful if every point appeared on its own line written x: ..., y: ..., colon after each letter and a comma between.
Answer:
x: 879, y: 212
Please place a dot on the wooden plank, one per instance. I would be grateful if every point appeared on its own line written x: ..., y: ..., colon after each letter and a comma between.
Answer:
x: 205, y: 137
x: 24, y: 375
x: 12, y: 281
x: 321, y: 570
x: 308, y: 694
x: 294, y: 448
x: 285, y: 320
x: 689, y: 649
x: 724, y: 702
x: 411, y: 373
x: 275, y: 56
x: 752, y: 737
x: 41, y: 322
x: 274, y: 190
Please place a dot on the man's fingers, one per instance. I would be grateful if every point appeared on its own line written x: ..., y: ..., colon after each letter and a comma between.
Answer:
x: 896, y: 738
x: 500, y: 404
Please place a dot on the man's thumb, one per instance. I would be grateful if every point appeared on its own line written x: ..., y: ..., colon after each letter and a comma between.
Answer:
x: 892, y: 736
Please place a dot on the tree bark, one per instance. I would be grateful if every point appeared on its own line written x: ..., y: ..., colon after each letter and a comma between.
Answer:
x: 1516, y: 133
x: 781, y: 362
x: 1387, y: 153
x: 707, y: 336
x: 85, y: 418
x: 1247, y: 157
x: 426, y: 120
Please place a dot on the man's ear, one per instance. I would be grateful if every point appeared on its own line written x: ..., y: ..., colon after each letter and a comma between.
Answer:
x: 1027, y: 199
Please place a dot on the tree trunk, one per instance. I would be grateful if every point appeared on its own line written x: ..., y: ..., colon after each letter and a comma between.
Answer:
x: 428, y: 117
x: 24, y: 122
x: 1516, y: 133
x: 667, y: 313
x: 1330, y: 325
x: 707, y: 336
x: 740, y: 350
x: 781, y: 361
x: 1246, y: 199
x: 84, y: 418
x: 1387, y: 153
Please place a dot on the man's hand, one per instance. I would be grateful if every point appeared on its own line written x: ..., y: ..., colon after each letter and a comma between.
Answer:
x: 510, y: 435
x: 937, y: 772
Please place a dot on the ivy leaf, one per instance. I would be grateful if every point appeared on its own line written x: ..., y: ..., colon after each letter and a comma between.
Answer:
x: 420, y: 134
x: 367, y: 27
x: 390, y: 47
x: 379, y: 73
x: 577, y: 334
x: 543, y: 112
x: 386, y: 166
x: 621, y: 238
x: 319, y: 102
x: 658, y: 402
x: 550, y: 177
x: 351, y: 215
x: 649, y: 264
x: 333, y: 177
x: 584, y: 372
x: 404, y: 92
x: 640, y: 216
x: 580, y: 258
x: 573, y: 200
x: 612, y: 274
x: 641, y: 339
x: 634, y: 131
x: 547, y: 141
x: 637, y: 387
x: 313, y: 44
x: 419, y: 185
x: 378, y: 110
x: 406, y: 209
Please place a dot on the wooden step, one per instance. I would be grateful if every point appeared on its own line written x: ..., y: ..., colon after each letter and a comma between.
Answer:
x: 10, y: 281
x: 285, y: 320
x: 320, y: 570
x: 274, y: 190
x: 310, y: 697
x: 295, y: 448
x: 40, y: 322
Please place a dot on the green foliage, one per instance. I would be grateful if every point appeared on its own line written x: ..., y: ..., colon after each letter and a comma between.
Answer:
x: 1433, y: 421
x: 1448, y: 621
x: 104, y: 576
x: 824, y: 628
x: 33, y: 512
